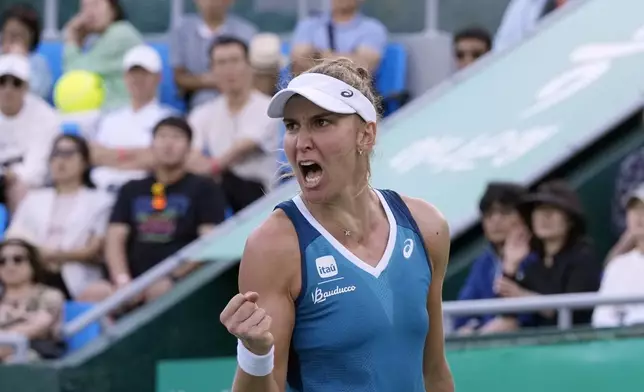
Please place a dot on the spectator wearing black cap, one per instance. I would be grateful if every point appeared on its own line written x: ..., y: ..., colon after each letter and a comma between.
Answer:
x: 156, y: 216
x: 20, y: 30
x: 507, y: 237
x: 567, y: 263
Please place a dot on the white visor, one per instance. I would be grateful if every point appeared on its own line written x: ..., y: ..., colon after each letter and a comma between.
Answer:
x: 326, y: 92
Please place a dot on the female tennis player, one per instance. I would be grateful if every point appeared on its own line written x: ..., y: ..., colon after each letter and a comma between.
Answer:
x: 341, y: 286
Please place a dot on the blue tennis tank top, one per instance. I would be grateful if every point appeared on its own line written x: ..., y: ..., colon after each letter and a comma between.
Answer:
x: 359, y: 328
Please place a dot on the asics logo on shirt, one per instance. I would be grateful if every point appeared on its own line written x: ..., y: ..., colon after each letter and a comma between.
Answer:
x: 408, y: 248
x: 326, y: 266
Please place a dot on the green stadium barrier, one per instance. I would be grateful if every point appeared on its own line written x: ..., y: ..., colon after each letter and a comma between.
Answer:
x: 600, y: 366
x: 497, y: 124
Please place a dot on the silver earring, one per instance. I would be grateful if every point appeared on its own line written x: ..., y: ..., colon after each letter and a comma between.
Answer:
x: 359, y: 152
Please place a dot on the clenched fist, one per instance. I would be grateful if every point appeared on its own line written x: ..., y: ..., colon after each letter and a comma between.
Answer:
x: 248, y: 322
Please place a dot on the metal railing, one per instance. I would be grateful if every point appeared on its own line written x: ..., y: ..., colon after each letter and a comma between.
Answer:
x: 19, y: 343
x: 124, y: 295
x: 563, y: 304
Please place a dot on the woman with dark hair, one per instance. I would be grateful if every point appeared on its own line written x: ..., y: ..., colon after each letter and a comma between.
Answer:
x: 105, y: 57
x: 566, y: 263
x: 67, y: 221
x: 20, y: 29
x: 27, y: 306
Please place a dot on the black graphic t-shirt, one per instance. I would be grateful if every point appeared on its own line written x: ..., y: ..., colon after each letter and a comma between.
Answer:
x: 156, y: 234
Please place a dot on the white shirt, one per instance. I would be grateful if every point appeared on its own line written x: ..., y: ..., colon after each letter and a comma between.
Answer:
x: 29, y: 135
x: 519, y: 21
x: 217, y: 130
x: 126, y: 128
x: 624, y: 275
x: 64, y: 222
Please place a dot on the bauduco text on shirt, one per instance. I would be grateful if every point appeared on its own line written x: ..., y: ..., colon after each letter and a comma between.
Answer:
x: 452, y: 153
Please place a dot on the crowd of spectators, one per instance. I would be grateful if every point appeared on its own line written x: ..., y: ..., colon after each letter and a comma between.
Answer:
x: 538, y: 245
x: 92, y: 211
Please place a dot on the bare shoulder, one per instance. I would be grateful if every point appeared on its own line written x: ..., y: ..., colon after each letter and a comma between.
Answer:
x: 434, y: 228
x: 271, y: 256
x: 430, y: 220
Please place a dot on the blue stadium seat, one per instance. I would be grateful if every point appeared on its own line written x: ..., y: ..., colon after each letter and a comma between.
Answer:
x: 72, y: 310
x: 71, y: 128
x: 4, y: 219
x: 391, y: 77
x: 168, y: 92
x: 52, y: 51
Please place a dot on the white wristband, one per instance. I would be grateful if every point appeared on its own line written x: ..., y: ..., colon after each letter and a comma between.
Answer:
x: 253, y: 364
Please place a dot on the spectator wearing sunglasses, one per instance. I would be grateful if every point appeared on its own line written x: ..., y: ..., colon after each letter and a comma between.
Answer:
x: 470, y: 44
x: 20, y: 30
x: 28, y: 125
x: 27, y: 306
x: 67, y: 221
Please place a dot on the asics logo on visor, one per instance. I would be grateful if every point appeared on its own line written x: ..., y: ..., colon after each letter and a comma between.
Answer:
x: 347, y: 93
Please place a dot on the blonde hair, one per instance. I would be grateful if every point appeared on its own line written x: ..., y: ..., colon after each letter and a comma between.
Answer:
x: 357, y: 77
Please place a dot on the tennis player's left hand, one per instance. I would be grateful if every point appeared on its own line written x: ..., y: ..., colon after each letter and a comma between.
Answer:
x: 248, y: 322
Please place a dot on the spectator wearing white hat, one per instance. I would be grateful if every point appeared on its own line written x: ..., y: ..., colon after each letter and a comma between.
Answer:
x: 266, y: 58
x: 28, y: 126
x: 120, y: 131
x: 624, y: 274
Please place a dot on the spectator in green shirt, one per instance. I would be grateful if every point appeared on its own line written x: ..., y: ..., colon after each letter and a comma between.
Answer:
x: 116, y: 36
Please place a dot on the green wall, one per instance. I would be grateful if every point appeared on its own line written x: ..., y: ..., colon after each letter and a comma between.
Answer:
x: 599, y: 366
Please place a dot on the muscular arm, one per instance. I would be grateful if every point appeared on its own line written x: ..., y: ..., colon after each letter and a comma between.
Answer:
x: 432, y: 224
x: 270, y: 267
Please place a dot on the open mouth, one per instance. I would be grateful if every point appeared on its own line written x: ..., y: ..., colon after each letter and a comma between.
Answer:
x: 312, y: 173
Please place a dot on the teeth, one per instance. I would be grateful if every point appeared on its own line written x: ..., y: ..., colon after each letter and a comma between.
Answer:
x: 307, y: 163
x: 312, y: 179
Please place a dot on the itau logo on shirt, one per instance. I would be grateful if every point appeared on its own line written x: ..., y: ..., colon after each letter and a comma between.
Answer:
x: 326, y: 266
